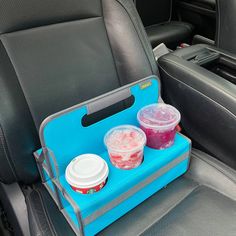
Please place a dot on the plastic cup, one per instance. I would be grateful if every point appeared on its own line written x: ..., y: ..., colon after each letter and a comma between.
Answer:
x: 125, y: 146
x: 159, y: 122
x: 87, y: 173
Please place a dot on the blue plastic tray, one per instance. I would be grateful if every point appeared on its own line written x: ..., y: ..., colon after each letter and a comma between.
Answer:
x: 63, y: 137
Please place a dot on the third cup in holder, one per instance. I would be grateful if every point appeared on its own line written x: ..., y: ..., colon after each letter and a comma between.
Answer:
x: 159, y: 122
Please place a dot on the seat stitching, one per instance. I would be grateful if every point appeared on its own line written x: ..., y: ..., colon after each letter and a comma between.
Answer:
x: 112, y: 52
x: 31, y: 208
x: 229, y: 112
x: 222, y: 171
x: 186, y: 26
x: 154, y: 34
x: 48, y: 25
x: 51, y: 227
x: 219, y: 23
x: 138, y: 34
x: 193, y: 72
x: 222, y: 51
x: 172, y: 207
x: 176, y: 23
x: 17, y: 79
x: 158, y: 24
x: 26, y: 103
x: 171, y: 9
x: 6, y: 152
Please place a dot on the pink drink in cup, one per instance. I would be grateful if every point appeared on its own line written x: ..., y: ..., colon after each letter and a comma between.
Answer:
x: 159, y: 122
x: 125, y: 146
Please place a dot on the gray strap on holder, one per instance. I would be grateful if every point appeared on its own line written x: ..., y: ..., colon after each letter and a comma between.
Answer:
x: 40, y: 159
x: 52, y: 156
x: 47, y: 154
x: 73, y: 204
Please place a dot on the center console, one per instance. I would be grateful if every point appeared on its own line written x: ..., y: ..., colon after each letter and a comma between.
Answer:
x: 213, y: 59
x: 200, y: 81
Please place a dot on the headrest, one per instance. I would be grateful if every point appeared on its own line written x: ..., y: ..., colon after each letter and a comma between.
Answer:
x: 23, y: 14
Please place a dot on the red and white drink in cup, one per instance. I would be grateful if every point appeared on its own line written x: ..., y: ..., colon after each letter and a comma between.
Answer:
x: 159, y: 122
x: 87, y: 173
x: 125, y: 146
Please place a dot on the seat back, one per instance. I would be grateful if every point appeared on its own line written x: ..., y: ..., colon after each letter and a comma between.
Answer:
x: 226, y: 21
x: 154, y: 11
x: 55, y: 54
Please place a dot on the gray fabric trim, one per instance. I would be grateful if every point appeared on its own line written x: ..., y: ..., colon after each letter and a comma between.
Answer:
x: 190, y: 149
x: 39, y: 161
x: 135, y: 189
x: 71, y: 223
x: 100, y: 104
x: 50, y: 173
x: 73, y: 204
x: 76, y: 209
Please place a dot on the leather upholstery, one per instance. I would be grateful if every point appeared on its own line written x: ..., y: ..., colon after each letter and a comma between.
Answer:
x: 156, y: 17
x: 52, y: 54
x: 226, y: 32
x: 51, y: 59
x: 206, y: 102
x: 154, y: 12
x: 17, y: 15
x: 44, y: 216
x: 195, y: 204
x: 208, y: 210
x: 171, y: 33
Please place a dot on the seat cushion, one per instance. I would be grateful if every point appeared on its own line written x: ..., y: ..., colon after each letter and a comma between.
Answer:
x: 44, y: 217
x: 52, y: 60
x: 171, y: 33
x: 195, y: 204
x: 200, y: 213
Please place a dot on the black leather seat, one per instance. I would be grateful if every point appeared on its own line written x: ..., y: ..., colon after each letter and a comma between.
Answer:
x: 156, y: 16
x: 172, y: 33
x: 226, y: 31
x: 191, y: 205
x: 203, y: 202
x: 54, y: 54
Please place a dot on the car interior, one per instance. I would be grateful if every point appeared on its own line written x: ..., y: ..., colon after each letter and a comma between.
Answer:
x: 53, y: 52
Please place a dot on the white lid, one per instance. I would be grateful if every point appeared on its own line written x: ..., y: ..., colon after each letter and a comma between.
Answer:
x: 159, y: 116
x: 125, y: 138
x: 87, y: 170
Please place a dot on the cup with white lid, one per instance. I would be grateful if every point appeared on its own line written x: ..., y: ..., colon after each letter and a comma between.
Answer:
x: 87, y: 173
x: 159, y: 122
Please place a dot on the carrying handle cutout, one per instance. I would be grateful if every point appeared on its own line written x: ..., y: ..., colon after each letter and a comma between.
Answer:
x: 101, y: 114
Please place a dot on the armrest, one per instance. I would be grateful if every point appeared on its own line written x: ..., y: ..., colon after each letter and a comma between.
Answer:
x: 197, y: 39
x: 207, y: 103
